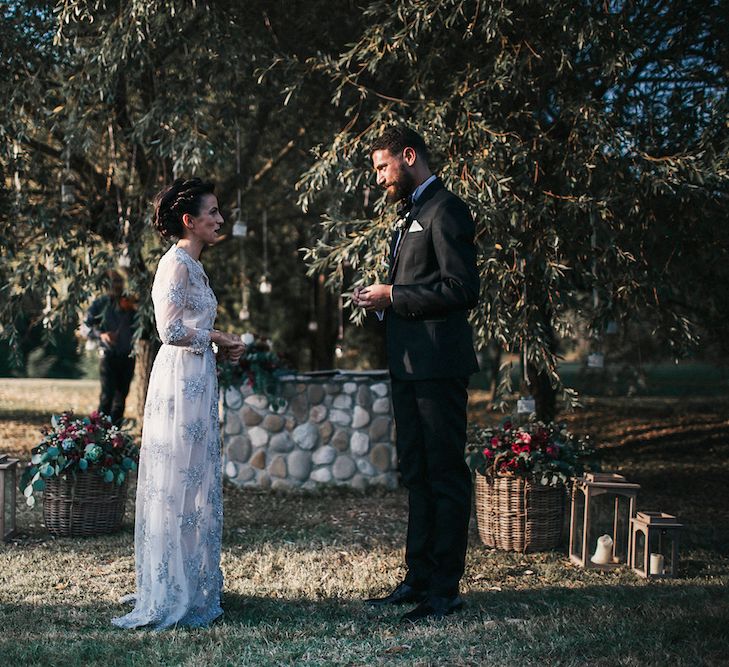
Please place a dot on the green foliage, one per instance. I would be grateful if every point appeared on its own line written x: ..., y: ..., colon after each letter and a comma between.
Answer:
x: 75, y: 445
x: 589, y: 140
x: 259, y: 369
x: 545, y: 453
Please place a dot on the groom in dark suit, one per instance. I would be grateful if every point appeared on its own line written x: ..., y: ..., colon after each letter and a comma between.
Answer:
x: 432, y: 284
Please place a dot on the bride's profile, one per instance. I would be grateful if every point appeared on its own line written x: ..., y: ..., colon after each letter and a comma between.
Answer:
x: 179, y: 509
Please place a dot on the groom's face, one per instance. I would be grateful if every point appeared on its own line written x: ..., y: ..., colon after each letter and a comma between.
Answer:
x: 393, y: 174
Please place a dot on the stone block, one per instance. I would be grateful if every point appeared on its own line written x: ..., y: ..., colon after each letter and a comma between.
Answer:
x: 350, y: 388
x: 245, y: 474
x: 387, y: 480
x: 318, y: 413
x: 232, y: 424
x: 277, y: 467
x: 258, y: 460
x: 343, y: 467
x: 380, y: 429
x: 321, y: 475
x: 238, y: 448
x: 231, y: 469
x: 324, y: 455
x: 281, y: 443
x: 380, y: 457
x: 340, y: 441
x: 380, y: 389
x: 340, y: 417
x: 342, y: 402
x: 299, y: 464
x: 366, y: 468
x: 299, y: 408
x: 290, y: 423
x: 250, y: 416
x: 264, y: 481
x: 325, y: 431
x: 360, y: 417
x: 258, y: 401
x: 258, y: 436
x: 364, y: 397
x: 232, y: 398
x: 332, y: 388
x: 359, y: 483
x: 273, y: 423
x: 281, y: 484
x: 306, y: 436
x: 316, y: 393
x: 381, y: 406
x: 359, y: 444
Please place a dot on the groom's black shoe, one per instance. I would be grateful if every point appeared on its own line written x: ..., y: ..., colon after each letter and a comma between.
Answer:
x: 403, y: 594
x: 433, y: 607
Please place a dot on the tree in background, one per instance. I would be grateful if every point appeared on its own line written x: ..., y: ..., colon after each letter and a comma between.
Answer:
x: 107, y: 102
x: 590, y: 140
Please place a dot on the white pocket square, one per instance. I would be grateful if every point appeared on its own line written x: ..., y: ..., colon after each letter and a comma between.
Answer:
x: 415, y: 227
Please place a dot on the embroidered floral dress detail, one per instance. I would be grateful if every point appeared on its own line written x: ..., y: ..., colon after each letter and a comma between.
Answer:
x: 179, y: 506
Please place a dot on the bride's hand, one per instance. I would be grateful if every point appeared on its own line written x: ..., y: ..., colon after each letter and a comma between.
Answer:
x: 236, y: 352
x: 222, y: 339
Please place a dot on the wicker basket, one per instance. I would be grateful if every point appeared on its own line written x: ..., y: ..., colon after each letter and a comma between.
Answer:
x: 516, y: 515
x: 86, y: 505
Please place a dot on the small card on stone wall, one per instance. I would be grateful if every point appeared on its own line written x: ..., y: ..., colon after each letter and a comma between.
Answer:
x: 526, y: 405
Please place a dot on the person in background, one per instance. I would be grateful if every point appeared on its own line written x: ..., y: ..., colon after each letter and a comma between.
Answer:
x: 109, y: 322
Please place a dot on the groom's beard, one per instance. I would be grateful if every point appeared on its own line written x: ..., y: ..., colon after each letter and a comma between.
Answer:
x: 403, y: 187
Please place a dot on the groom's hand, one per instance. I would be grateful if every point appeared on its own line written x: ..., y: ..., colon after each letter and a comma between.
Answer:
x: 374, y: 297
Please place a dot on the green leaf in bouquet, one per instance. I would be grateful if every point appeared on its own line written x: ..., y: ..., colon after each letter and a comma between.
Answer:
x: 120, y: 477
x: 47, y: 470
x: 108, y: 476
x: 83, y: 464
x: 28, y: 490
x: 52, y: 452
x: 38, y: 485
x: 127, y: 463
x: 36, y: 458
x: 30, y: 501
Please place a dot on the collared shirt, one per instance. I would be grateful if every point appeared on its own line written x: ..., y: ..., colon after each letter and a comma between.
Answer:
x: 419, y: 190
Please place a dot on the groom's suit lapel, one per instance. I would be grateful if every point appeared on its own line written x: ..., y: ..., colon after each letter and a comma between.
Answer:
x: 418, y: 206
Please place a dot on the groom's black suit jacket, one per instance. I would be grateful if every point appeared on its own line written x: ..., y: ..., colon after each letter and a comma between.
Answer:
x: 435, y: 284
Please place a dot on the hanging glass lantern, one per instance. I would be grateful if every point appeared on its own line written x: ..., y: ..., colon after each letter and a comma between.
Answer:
x: 602, y: 506
x: 264, y: 286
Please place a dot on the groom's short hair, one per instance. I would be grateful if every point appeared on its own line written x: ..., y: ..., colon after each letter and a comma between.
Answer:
x: 397, y: 138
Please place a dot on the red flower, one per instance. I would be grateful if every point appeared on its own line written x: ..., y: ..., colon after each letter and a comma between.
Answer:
x: 495, y: 442
x: 526, y: 438
x: 553, y: 451
x: 488, y: 453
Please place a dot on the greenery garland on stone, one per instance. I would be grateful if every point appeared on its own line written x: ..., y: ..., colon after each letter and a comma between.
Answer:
x: 544, y: 453
x: 74, y: 445
x: 259, y: 368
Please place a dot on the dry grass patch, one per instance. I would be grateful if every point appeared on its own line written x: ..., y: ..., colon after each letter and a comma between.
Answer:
x: 297, y: 567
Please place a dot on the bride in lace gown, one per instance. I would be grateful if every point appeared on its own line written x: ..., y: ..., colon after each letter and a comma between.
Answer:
x: 179, y: 509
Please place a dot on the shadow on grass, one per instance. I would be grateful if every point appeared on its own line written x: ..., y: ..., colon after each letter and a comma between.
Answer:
x: 672, y: 623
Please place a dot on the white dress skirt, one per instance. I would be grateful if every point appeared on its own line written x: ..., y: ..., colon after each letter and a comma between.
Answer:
x: 179, y: 505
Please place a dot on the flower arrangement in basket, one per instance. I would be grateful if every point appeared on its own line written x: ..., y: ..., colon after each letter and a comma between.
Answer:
x: 81, y: 466
x: 258, y: 368
x: 521, y: 475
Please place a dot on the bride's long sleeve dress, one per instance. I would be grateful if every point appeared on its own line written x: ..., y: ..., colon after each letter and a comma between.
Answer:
x: 179, y: 509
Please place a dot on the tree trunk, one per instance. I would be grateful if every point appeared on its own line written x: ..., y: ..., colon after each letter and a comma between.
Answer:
x: 540, y: 384
x: 146, y: 351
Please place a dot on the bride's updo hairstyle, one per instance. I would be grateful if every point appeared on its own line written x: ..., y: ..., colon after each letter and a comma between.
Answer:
x: 171, y: 203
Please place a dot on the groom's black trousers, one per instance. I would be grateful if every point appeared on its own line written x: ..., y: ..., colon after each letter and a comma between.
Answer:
x: 430, y: 418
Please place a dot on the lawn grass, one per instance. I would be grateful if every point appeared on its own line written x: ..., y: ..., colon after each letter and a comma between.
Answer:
x: 297, y: 567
